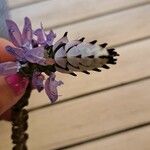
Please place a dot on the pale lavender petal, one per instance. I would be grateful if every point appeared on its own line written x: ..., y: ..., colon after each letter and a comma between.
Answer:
x: 14, y: 33
x: 51, y: 87
x: 27, y: 31
x: 50, y: 37
x: 36, y: 55
x: 37, y: 81
x: 18, y: 53
x: 41, y: 37
x: 8, y: 68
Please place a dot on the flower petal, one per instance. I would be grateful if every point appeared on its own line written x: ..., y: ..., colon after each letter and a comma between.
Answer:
x: 37, y: 81
x: 8, y: 68
x: 50, y: 37
x: 27, y: 31
x: 41, y: 36
x: 18, y: 53
x: 51, y: 87
x: 36, y: 55
x: 14, y: 33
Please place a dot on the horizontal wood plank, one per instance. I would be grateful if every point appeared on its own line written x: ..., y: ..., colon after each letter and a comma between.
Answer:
x: 55, y: 13
x: 132, y: 64
x: 20, y: 3
x: 5, y: 134
x: 115, y: 28
x: 138, y: 139
x: 87, y: 118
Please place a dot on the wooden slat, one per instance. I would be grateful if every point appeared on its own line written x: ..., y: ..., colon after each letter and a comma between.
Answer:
x: 5, y: 131
x: 115, y: 28
x: 20, y: 3
x: 134, y: 140
x: 133, y: 63
x: 55, y: 12
x: 87, y: 118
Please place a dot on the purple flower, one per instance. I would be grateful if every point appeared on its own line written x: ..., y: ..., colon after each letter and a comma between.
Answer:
x: 9, y: 68
x: 18, y: 53
x: 27, y: 33
x: 36, y: 55
x: 37, y: 81
x: 43, y: 38
x: 21, y: 40
x: 51, y: 87
x: 24, y: 50
x: 27, y: 49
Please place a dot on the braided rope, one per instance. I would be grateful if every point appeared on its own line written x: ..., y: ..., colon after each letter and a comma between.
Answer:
x: 19, y: 122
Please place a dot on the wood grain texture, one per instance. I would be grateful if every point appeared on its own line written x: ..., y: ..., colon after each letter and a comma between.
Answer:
x: 52, y: 13
x: 133, y: 58
x: 138, y: 139
x: 13, y: 4
x: 115, y: 28
x: 5, y: 140
x: 89, y: 117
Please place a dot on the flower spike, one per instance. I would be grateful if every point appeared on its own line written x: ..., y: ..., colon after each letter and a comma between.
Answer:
x: 37, y: 53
